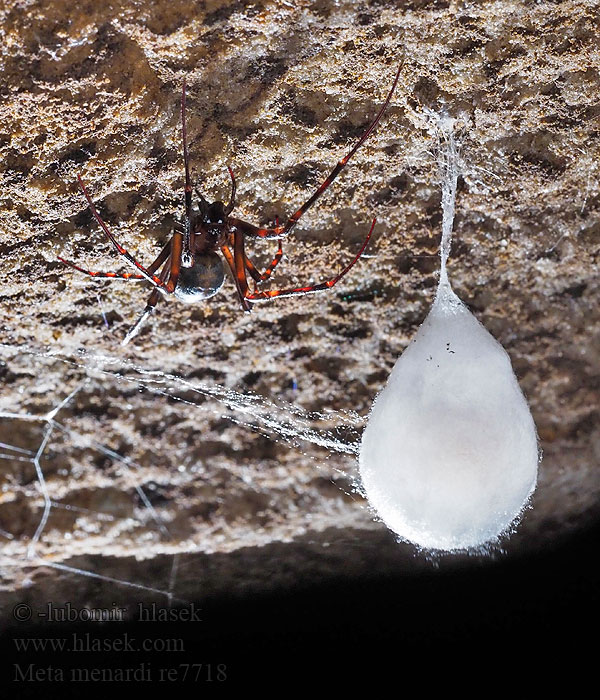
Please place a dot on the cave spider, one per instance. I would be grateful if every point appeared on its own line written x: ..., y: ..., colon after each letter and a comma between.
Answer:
x: 191, y: 268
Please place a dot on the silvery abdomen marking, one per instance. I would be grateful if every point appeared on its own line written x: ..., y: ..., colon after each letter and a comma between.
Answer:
x: 201, y: 281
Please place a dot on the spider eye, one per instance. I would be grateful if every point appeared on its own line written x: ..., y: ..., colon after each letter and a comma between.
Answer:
x: 201, y: 281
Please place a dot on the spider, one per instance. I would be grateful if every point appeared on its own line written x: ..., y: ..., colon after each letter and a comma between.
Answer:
x: 191, y: 268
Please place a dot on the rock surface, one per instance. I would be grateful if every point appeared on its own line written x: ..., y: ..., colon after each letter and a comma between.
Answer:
x: 193, y: 501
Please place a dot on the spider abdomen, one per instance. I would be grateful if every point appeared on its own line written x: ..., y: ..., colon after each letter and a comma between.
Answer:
x: 201, y: 281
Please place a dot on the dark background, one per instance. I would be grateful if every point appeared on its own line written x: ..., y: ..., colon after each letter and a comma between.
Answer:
x: 541, y: 606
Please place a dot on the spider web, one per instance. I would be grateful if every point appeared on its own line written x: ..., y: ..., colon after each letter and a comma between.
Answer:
x: 68, y: 447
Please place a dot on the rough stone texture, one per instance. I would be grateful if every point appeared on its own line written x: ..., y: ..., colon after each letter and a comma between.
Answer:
x: 279, y: 90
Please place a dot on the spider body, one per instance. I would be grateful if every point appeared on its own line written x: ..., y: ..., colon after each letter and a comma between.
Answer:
x: 201, y: 281
x: 189, y: 266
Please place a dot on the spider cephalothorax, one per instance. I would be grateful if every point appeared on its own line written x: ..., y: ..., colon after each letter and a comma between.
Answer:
x: 208, y: 223
x: 189, y: 266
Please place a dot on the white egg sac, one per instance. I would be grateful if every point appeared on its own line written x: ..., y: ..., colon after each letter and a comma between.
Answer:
x: 449, y: 456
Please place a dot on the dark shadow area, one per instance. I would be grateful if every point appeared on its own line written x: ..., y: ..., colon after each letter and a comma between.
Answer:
x: 541, y: 602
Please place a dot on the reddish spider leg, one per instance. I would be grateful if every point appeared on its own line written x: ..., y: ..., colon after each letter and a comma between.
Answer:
x: 255, y: 274
x: 144, y: 273
x: 231, y: 204
x: 279, y: 231
x: 239, y: 261
x: 152, y: 299
x: 258, y: 295
x: 270, y: 294
x: 167, y: 280
x: 162, y: 257
x: 186, y: 254
x: 156, y: 292
x: 187, y: 259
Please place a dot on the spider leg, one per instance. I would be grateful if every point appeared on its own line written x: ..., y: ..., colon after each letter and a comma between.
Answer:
x: 254, y: 273
x: 152, y: 278
x: 186, y: 255
x: 256, y: 276
x: 163, y: 255
x: 175, y: 261
x: 279, y: 231
x: 154, y: 297
x: 270, y: 294
x: 268, y: 272
x: 246, y: 305
x: 231, y: 204
x: 239, y: 263
x: 111, y: 275
x: 135, y: 329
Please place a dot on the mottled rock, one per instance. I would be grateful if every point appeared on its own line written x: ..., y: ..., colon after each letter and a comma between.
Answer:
x: 279, y: 90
